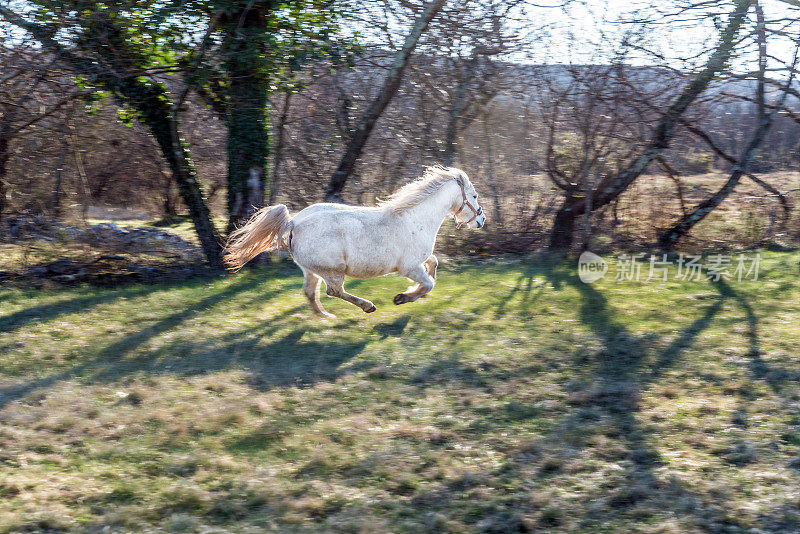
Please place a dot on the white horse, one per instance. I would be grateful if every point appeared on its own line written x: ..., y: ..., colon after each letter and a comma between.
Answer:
x: 331, y: 241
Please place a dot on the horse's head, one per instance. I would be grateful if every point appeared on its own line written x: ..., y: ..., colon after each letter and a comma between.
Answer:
x: 467, y: 211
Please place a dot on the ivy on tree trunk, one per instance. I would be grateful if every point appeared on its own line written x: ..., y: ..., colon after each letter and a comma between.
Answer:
x: 247, y: 114
x: 3, y: 167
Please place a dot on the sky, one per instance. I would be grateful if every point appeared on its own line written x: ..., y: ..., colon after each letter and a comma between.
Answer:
x: 588, y: 31
x: 581, y: 32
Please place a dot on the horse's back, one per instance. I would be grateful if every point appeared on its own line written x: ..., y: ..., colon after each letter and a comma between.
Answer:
x: 329, y: 217
x: 331, y: 208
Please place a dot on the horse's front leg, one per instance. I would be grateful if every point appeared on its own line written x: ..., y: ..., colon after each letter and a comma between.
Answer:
x: 424, y: 276
x: 430, y: 265
x: 334, y: 287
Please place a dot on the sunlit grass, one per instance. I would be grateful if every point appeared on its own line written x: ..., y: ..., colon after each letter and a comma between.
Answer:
x: 513, y: 398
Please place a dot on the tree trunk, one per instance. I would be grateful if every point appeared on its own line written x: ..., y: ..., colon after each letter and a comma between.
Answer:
x: 561, y: 236
x: 612, y: 187
x: 277, y: 153
x: 3, y: 169
x: 785, y: 205
x: 247, y: 115
x: 168, y: 207
x: 164, y: 128
x: 55, y: 207
x: 587, y: 216
x: 371, y: 115
x: 487, y: 139
x: 83, y: 180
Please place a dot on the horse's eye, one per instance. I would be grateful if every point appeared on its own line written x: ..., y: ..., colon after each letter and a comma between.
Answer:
x: 474, y: 196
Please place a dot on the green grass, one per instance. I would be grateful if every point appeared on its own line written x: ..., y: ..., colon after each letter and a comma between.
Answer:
x: 513, y: 398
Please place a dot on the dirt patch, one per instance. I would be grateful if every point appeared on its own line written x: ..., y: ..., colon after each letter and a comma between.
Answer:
x: 52, y: 253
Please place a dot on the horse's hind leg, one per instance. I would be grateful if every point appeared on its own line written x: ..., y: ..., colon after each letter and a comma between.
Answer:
x: 424, y: 276
x: 334, y: 283
x: 311, y: 289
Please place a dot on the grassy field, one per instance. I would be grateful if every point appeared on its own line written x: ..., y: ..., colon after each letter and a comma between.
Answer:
x: 514, y: 398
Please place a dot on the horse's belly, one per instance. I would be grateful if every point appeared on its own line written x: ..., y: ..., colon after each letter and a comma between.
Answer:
x: 369, y: 271
x: 369, y: 256
x: 369, y: 263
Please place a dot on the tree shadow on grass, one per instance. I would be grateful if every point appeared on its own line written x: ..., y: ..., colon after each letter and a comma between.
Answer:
x: 623, y: 370
x: 112, y: 360
x: 604, y: 402
x: 5, y: 295
x: 393, y: 329
x: 623, y: 373
x: 48, y: 312
x: 281, y: 353
x: 277, y: 353
x: 614, y: 395
x: 274, y: 353
x: 523, y: 286
x: 759, y: 369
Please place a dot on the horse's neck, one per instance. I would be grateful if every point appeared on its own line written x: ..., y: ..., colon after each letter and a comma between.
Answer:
x: 432, y: 211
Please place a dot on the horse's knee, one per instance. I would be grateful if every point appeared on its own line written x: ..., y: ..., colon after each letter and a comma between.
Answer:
x: 427, y: 285
x: 431, y: 265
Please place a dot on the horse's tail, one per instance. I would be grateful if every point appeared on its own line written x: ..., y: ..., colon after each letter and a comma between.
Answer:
x: 262, y: 233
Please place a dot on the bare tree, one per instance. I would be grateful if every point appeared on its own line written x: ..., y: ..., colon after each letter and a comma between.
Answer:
x: 612, y: 186
x: 390, y: 85
x: 669, y: 238
x: 32, y: 92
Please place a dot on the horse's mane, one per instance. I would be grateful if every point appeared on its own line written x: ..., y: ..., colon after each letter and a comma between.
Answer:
x: 423, y: 187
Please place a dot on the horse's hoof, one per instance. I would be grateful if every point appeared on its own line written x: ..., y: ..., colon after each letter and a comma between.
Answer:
x: 372, y: 309
x: 400, y: 298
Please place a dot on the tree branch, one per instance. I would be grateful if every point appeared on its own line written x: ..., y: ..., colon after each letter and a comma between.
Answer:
x: 390, y: 86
